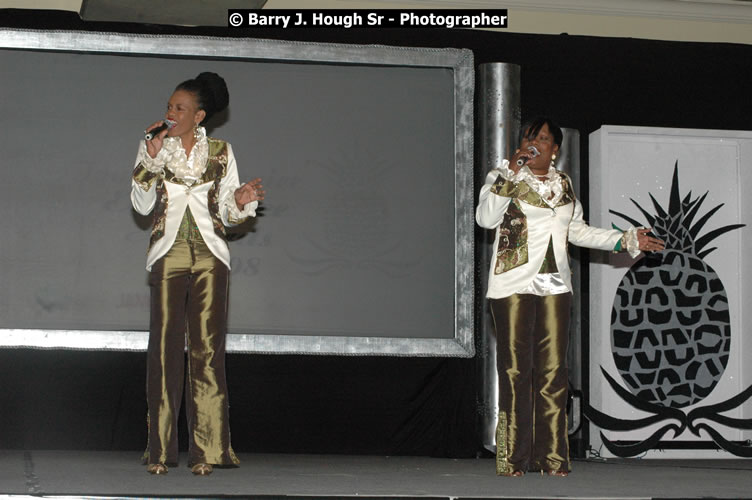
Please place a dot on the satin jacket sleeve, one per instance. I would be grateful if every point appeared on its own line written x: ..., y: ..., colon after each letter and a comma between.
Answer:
x: 143, y: 184
x: 583, y: 235
x: 229, y: 211
x: 491, y: 207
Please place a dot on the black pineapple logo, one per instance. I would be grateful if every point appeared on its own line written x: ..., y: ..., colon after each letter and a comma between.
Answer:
x: 670, y: 328
x: 670, y: 323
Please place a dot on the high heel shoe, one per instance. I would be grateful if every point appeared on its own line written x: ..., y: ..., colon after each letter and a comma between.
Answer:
x: 156, y: 469
x: 202, y: 469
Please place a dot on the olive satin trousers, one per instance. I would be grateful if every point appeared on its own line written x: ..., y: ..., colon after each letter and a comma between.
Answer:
x: 532, y: 334
x: 189, y: 288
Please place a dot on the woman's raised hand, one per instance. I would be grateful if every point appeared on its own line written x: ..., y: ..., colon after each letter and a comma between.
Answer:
x: 248, y: 192
x: 648, y: 243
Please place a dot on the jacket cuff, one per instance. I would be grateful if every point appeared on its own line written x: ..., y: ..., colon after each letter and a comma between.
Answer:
x: 629, y: 243
x: 236, y: 216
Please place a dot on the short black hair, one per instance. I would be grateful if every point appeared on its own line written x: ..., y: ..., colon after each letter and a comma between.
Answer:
x: 532, y: 127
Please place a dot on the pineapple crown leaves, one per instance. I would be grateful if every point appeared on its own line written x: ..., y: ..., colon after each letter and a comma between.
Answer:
x: 675, y: 225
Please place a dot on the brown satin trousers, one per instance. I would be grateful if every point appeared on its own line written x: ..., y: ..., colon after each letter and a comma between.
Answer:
x: 532, y: 334
x: 189, y: 288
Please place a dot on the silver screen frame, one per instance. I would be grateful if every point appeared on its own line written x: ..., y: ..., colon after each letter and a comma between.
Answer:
x: 460, y: 61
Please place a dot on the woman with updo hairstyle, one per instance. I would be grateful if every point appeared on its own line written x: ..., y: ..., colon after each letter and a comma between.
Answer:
x: 190, y: 183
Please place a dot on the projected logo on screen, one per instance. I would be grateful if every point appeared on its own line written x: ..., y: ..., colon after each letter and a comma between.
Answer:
x: 356, y: 229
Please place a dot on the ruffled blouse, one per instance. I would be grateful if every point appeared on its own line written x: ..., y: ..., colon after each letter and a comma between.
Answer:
x: 189, y: 168
x: 172, y: 156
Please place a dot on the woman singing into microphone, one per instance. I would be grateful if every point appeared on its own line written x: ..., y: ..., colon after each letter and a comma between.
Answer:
x: 190, y: 182
x: 535, y: 214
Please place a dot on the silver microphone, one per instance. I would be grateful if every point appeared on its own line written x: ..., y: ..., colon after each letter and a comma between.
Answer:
x: 524, y: 159
x: 166, y: 125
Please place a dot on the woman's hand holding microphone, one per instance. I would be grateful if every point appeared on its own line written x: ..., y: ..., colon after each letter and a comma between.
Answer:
x: 155, y: 134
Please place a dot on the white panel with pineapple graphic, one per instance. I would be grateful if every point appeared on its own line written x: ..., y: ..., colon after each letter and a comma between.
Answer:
x: 670, y: 348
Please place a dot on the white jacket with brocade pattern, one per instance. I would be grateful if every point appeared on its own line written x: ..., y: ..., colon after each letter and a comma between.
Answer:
x: 524, y: 224
x: 210, y: 198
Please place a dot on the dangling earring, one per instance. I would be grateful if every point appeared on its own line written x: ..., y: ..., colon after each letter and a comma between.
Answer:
x: 553, y: 157
x: 196, y: 135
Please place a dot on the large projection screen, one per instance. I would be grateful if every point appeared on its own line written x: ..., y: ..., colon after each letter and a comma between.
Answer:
x: 363, y: 245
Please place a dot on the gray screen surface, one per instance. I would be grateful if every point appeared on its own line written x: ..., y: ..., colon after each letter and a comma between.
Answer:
x: 356, y: 237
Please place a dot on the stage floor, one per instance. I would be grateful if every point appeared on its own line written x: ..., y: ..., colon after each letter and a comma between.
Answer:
x: 83, y: 474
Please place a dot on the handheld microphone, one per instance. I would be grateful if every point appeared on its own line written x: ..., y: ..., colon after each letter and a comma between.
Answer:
x: 524, y: 159
x: 166, y: 125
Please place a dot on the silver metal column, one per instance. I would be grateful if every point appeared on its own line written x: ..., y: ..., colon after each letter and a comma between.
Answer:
x: 499, y: 127
x: 568, y: 161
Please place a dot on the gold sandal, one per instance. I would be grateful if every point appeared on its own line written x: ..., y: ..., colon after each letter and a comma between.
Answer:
x: 202, y: 469
x: 157, y: 469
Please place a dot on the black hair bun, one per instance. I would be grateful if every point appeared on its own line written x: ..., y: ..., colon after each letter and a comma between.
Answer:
x: 214, y: 92
x: 211, y: 92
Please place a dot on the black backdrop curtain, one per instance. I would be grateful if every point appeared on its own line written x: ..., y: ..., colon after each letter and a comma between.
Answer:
x: 372, y: 405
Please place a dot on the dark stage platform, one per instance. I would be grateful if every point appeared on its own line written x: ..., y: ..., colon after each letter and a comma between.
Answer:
x: 83, y: 474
